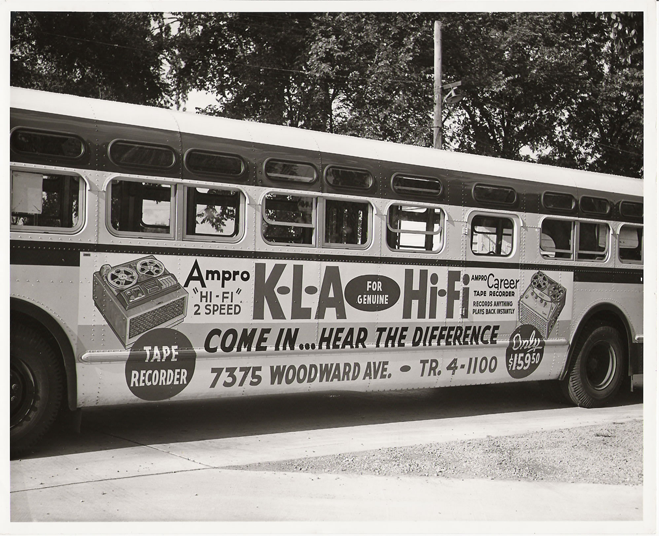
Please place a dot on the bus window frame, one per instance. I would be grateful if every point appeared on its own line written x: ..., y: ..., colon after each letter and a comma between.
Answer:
x: 70, y: 159
x: 242, y: 214
x: 419, y: 192
x: 412, y: 204
x: 217, y: 177
x: 617, y: 244
x: 83, y: 191
x: 297, y: 193
x: 572, y: 250
x: 343, y: 187
x: 290, y: 179
x: 512, y: 217
x: 322, y: 223
x: 173, y: 225
x: 577, y: 238
x: 143, y: 167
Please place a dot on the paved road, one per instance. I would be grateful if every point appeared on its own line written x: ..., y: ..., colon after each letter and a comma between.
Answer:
x: 173, y: 462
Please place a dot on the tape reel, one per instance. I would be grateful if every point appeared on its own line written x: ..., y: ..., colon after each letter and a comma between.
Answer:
x: 121, y: 277
x: 539, y: 281
x: 150, y: 267
x: 556, y: 292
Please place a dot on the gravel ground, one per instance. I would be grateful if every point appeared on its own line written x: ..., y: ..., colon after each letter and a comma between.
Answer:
x: 611, y: 454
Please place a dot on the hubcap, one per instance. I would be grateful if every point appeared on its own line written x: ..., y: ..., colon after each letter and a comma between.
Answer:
x: 601, y: 366
x: 22, y: 391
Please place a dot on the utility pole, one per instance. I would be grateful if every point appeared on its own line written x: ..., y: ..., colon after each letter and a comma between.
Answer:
x: 437, y: 120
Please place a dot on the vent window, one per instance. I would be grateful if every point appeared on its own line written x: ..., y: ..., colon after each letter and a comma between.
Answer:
x: 137, y: 155
x: 628, y: 209
x: 416, y: 186
x: 559, y: 202
x: 217, y: 164
x: 355, y: 179
x: 279, y: 170
x: 494, y: 195
x: 595, y: 205
x: 44, y: 143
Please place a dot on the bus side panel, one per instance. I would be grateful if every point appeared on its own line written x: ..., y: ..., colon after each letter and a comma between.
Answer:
x: 627, y: 297
x: 159, y: 327
x: 52, y: 288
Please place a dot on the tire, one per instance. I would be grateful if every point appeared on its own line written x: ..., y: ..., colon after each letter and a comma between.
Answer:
x: 36, y: 388
x: 599, y: 369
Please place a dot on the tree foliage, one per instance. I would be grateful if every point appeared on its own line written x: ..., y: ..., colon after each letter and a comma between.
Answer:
x: 113, y: 56
x: 559, y: 88
x: 557, y: 83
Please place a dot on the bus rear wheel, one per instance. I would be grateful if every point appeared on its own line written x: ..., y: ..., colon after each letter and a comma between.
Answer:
x: 599, y: 368
x: 36, y: 388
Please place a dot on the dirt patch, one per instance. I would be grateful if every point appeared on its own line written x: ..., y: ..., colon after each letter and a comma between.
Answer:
x: 611, y: 454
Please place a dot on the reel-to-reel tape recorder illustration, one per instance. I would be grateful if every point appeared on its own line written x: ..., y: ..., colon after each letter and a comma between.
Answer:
x: 137, y: 296
x: 542, y: 303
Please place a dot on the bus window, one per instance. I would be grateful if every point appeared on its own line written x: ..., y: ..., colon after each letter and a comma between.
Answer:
x: 357, y: 179
x: 593, y: 241
x: 630, y: 244
x: 215, y: 164
x: 289, y: 219
x: 346, y: 222
x: 280, y: 170
x: 491, y: 235
x: 212, y: 212
x: 414, y: 228
x: 494, y: 195
x: 43, y: 200
x: 141, y: 207
x: 411, y: 185
x: 141, y: 155
x: 556, y: 239
x: 44, y: 143
x: 631, y: 210
x: 559, y: 202
x: 595, y: 205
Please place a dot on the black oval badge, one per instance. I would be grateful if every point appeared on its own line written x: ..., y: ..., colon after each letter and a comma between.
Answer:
x: 372, y: 292
x: 160, y: 365
x: 525, y: 351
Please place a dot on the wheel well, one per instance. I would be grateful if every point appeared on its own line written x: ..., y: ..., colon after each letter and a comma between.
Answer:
x: 606, y: 315
x: 34, y: 317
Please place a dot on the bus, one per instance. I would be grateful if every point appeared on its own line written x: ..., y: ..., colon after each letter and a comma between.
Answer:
x: 162, y: 256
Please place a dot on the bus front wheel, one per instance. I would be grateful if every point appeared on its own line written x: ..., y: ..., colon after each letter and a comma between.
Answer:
x: 599, y: 368
x: 36, y: 388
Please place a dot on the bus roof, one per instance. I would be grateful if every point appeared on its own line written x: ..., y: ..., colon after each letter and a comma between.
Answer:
x: 160, y: 118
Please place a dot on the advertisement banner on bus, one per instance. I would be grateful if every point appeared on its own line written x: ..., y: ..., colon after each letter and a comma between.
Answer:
x: 166, y: 313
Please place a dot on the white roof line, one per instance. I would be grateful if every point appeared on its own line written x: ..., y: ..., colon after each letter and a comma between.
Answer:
x: 318, y: 141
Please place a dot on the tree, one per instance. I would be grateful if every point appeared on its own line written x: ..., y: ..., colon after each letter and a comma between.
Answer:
x: 549, y: 82
x: 559, y: 88
x: 114, y: 56
x: 256, y: 69
x: 381, y: 68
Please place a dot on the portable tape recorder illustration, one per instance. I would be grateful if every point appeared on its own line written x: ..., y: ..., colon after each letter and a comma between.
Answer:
x: 542, y: 303
x: 137, y: 296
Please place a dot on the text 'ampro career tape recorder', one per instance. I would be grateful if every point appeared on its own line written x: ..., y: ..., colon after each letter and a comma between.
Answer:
x: 542, y: 303
x: 137, y: 296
